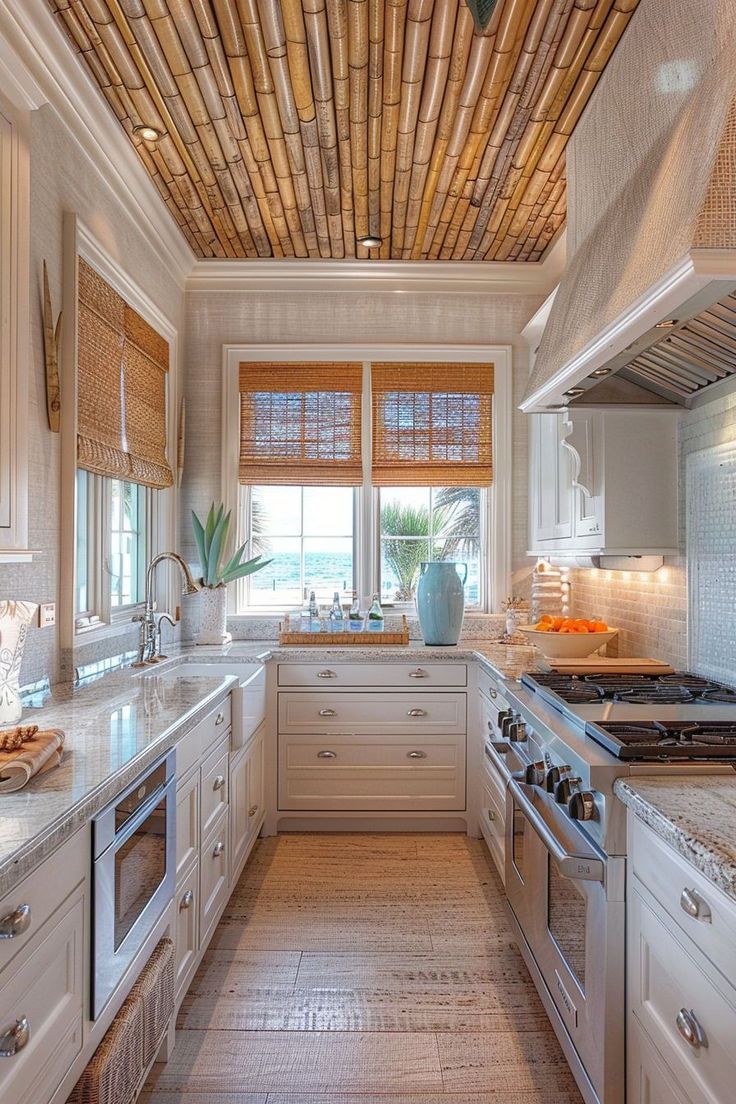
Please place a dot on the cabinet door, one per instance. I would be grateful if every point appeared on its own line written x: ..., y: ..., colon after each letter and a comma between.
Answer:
x: 239, y: 821
x: 649, y: 1079
x: 551, y: 481
x: 582, y: 432
x: 187, y: 929
x: 256, y: 787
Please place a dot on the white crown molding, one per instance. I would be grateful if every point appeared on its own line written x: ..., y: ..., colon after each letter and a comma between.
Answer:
x: 43, y: 66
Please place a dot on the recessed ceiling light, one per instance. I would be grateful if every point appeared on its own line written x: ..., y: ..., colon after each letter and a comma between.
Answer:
x: 149, y: 133
x: 600, y: 372
x: 666, y: 324
x: 370, y: 241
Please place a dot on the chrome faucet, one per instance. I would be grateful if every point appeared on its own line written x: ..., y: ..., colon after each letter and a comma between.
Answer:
x: 149, y: 643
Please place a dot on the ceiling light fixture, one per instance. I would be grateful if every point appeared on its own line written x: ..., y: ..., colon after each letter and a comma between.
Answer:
x: 666, y: 324
x: 149, y: 133
x: 370, y: 241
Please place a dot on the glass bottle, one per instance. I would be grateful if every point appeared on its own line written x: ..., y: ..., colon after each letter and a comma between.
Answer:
x: 335, y: 615
x: 355, y: 617
x: 313, y: 612
x: 375, y: 615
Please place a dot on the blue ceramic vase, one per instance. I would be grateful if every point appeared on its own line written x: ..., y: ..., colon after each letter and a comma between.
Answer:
x: 441, y: 602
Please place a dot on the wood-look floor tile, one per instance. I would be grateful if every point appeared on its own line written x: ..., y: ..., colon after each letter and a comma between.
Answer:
x: 504, y: 1007
x: 243, y: 934
x: 228, y: 971
x: 527, y: 1062
x: 300, y: 1061
x: 155, y: 1097
x: 550, y: 1095
x: 408, y: 972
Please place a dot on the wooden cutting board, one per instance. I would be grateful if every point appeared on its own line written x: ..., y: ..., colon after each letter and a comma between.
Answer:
x: 603, y: 665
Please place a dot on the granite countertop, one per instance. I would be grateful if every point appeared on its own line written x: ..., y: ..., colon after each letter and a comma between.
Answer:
x: 694, y: 814
x: 114, y: 728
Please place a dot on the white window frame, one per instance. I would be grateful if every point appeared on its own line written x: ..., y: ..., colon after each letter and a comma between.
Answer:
x: 495, y: 510
x: 162, y: 520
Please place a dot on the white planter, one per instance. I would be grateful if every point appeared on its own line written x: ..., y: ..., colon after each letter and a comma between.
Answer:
x: 213, y: 616
x: 15, y: 617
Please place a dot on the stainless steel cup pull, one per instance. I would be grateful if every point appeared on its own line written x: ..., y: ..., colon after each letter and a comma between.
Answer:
x: 419, y: 673
x: 326, y: 674
x: 690, y: 1029
x: 16, y: 922
x: 15, y: 1038
x: 218, y: 783
x: 253, y: 810
x: 186, y: 901
x: 416, y: 755
x: 417, y: 713
x: 219, y: 719
x: 327, y: 755
x: 328, y: 712
x: 218, y: 849
x: 491, y: 814
x: 693, y: 904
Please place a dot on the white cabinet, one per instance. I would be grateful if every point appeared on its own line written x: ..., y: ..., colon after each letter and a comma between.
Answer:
x: 604, y: 482
x: 187, y: 929
x: 246, y: 802
x: 681, y: 967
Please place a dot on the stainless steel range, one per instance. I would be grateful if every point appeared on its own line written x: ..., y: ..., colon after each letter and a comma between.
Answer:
x: 559, y: 747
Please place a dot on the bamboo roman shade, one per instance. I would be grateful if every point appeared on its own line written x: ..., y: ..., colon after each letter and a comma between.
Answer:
x: 432, y: 425
x: 121, y: 387
x: 300, y: 424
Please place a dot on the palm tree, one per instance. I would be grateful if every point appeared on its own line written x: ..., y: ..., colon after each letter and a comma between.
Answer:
x: 258, y: 518
x: 405, y: 556
x: 463, y: 508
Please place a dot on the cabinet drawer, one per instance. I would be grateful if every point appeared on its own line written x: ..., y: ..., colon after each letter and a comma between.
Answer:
x: 410, y: 675
x: 213, y: 876
x: 372, y: 773
x: 676, y: 883
x: 213, y: 791
x: 187, y: 825
x: 30, y: 905
x: 648, y: 1079
x: 380, y: 713
x: 187, y: 929
x: 191, y: 748
x: 45, y: 987
x: 666, y: 982
x: 493, y: 824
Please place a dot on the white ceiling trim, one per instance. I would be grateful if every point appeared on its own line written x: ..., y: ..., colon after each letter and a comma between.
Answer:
x: 439, y: 277
x: 30, y: 32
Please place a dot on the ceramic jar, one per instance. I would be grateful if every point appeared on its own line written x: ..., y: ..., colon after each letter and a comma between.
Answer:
x: 441, y: 602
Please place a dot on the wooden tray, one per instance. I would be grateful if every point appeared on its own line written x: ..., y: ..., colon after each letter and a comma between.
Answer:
x: 364, y: 638
x: 603, y: 665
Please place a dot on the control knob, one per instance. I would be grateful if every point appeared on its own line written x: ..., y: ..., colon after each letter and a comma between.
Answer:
x: 566, y: 788
x: 582, y: 805
x: 553, y: 776
x: 534, y: 774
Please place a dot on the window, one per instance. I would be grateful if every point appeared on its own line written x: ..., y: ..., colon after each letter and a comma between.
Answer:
x: 128, y: 531
x: 421, y: 484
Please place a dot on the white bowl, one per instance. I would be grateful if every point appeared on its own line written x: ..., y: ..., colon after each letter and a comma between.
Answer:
x: 556, y: 645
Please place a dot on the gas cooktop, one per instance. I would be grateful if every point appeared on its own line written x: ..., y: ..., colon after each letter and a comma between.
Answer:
x: 666, y: 740
x: 680, y: 688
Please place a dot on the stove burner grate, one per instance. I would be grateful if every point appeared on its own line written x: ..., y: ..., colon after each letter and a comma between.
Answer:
x: 673, y: 740
x: 655, y: 695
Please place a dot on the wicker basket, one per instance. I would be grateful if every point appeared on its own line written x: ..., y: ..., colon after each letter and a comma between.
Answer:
x: 362, y: 639
x: 115, y: 1072
x: 155, y: 990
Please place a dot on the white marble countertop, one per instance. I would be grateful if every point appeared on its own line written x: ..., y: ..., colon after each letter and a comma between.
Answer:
x: 694, y: 814
x: 118, y: 724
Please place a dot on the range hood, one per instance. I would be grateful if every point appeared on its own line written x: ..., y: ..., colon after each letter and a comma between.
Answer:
x: 646, y: 310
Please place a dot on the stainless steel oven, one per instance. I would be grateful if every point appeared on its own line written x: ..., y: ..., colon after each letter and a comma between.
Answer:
x: 134, y: 853
x: 567, y: 902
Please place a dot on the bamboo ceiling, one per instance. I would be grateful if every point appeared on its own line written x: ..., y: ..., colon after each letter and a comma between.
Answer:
x: 290, y: 128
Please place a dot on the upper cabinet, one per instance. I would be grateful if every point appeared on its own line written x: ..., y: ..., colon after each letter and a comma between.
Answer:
x: 14, y: 334
x: 604, y: 483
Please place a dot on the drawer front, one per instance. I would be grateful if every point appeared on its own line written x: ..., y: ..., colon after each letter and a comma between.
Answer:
x: 410, y: 675
x: 666, y: 983
x: 379, y: 713
x: 187, y: 825
x: 342, y: 772
x: 648, y: 1079
x: 28, y: 907
x: 187, y: 929
x: 214, y: 788
x: 493, y: 824
x: 679, y: 886
x: 213, y: 876
x: 45, y: 986
x: 491, y: 689
x: 191, y: 748
x: 249, y: 708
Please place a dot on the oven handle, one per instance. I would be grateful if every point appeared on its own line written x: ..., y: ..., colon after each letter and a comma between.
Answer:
x: 161, y: 793
x: 575, y: 867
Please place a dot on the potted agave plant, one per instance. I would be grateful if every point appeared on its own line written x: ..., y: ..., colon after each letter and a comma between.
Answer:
x: 217, y: 572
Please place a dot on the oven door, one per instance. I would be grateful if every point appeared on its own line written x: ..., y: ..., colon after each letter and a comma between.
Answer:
x: 133, y: 883
x: 568, y: 900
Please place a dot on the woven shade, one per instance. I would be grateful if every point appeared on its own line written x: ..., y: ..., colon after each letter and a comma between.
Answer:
x: 432, y: 425
x: 300, y: 424
x: 121, y: 394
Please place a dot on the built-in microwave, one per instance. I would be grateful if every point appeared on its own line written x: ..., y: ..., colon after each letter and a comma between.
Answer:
x: 134, y: 860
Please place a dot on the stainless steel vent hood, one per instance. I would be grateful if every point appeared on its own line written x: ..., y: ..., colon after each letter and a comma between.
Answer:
x: 646, y: 309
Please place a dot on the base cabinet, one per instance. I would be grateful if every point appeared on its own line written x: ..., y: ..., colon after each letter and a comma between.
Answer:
x: 649, y: 1080
x: 187, y: 929
x: 246, y: 801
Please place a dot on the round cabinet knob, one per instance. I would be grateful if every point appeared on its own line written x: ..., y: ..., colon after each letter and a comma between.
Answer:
x: 218, y: 783
x: 186, y: 901
x: 582, y: 805
x: 218, y: 849
x: 565, y: 788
